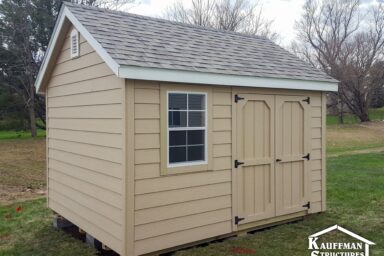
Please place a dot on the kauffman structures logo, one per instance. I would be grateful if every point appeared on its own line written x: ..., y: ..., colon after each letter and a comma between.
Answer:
x: 332, y: 248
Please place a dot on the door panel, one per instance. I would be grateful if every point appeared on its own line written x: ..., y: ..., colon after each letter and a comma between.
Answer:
x: 291, y: 146
x: 255, y: 147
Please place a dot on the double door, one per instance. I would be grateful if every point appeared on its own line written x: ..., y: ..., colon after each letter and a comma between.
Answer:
x: 272, y: 152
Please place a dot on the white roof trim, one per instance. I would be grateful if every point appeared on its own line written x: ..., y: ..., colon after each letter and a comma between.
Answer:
x: 344, y: 231
x: 52, y: 42
x: 179, y: 76
x: 65, y: 13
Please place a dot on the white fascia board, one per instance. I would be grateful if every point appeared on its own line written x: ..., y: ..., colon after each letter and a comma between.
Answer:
x: 48, y: 53
x: 179, y: 76
x: 66, y: 13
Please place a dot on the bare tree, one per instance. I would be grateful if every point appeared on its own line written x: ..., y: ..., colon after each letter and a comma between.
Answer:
x: 108, y: 4
x: 111, y: 4
x: 243, y: 16
x: 336, y: 36
x: 200, y: 13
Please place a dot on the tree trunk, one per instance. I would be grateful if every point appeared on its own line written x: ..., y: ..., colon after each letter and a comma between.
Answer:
x: 341, y: 113
x: 32, y: 101
x: 364, y: 110
x: 364, y: 117
x: 32, y: 119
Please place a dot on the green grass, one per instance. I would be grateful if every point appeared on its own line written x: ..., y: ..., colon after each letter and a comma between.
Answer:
x: 6, y: 135
x: 374, y: 114
x: 30, y: 232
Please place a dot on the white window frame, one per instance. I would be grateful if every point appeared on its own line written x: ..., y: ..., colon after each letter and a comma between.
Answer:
x: 74, y: 33
x: 205, y: 128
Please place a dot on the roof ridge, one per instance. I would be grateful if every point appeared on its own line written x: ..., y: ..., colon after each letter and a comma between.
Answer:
x: 165, y: 20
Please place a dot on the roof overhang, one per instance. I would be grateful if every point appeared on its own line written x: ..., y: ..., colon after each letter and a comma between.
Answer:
x: 181, y: 76
x: 157, y: 74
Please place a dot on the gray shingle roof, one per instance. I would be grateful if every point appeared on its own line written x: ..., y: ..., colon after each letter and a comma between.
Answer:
x: 135, y: 40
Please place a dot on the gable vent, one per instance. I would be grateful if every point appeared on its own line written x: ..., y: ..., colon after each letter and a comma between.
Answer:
x: 75, y: 47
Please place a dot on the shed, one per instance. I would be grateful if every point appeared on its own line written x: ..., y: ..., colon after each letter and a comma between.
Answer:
x: 162, y: 135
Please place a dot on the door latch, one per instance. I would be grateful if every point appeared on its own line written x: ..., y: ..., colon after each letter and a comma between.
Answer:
x: 308, y: 100
x: 307, y: 156
x: 307, y: 205
x: 237, y: 220
x: 237, y: 98
x: 237, y: 163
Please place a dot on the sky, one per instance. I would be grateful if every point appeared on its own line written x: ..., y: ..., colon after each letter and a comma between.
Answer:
x: 283, y: 12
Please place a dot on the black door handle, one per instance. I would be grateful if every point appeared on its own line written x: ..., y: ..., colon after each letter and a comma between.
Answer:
x: 278, y: 160
x: 237, y: 163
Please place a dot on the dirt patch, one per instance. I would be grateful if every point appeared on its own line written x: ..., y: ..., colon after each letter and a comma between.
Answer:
x: 10, y: 194
x: 378, y: 126
x: 22, y: 169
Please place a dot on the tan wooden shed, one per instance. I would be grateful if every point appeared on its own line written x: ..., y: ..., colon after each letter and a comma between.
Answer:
x: 162, y: 135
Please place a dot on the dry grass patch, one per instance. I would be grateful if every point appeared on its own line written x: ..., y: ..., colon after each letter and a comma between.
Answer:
x: 22, y: 169
x: 356, y: 138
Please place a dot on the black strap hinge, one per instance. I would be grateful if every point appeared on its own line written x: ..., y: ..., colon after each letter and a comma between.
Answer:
x: 237, y: 163
x: 307, y: 156
x: 237, y: 98
x: 237, y: 220
x: 308, y: 100
x: 307, y: 205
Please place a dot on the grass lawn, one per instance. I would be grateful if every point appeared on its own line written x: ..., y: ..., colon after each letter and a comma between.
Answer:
x: 355, y: 198
x: 6, y: 135
x: 30, y: 232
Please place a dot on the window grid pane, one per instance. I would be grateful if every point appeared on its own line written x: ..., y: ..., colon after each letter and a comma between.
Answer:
x: 194, y: 129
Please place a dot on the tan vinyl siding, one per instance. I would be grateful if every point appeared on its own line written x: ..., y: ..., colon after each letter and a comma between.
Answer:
x: 176, y: 209
x: 85, y: 144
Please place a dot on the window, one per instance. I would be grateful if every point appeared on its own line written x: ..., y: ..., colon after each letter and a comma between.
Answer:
x: 187, y: 128
x: 75, y: 49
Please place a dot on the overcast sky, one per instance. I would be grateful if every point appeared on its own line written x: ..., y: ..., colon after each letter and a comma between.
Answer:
x: 283, y: 12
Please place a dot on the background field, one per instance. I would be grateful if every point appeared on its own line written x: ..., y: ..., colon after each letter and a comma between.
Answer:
x: 376, y: 114
x: 355, y: 197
